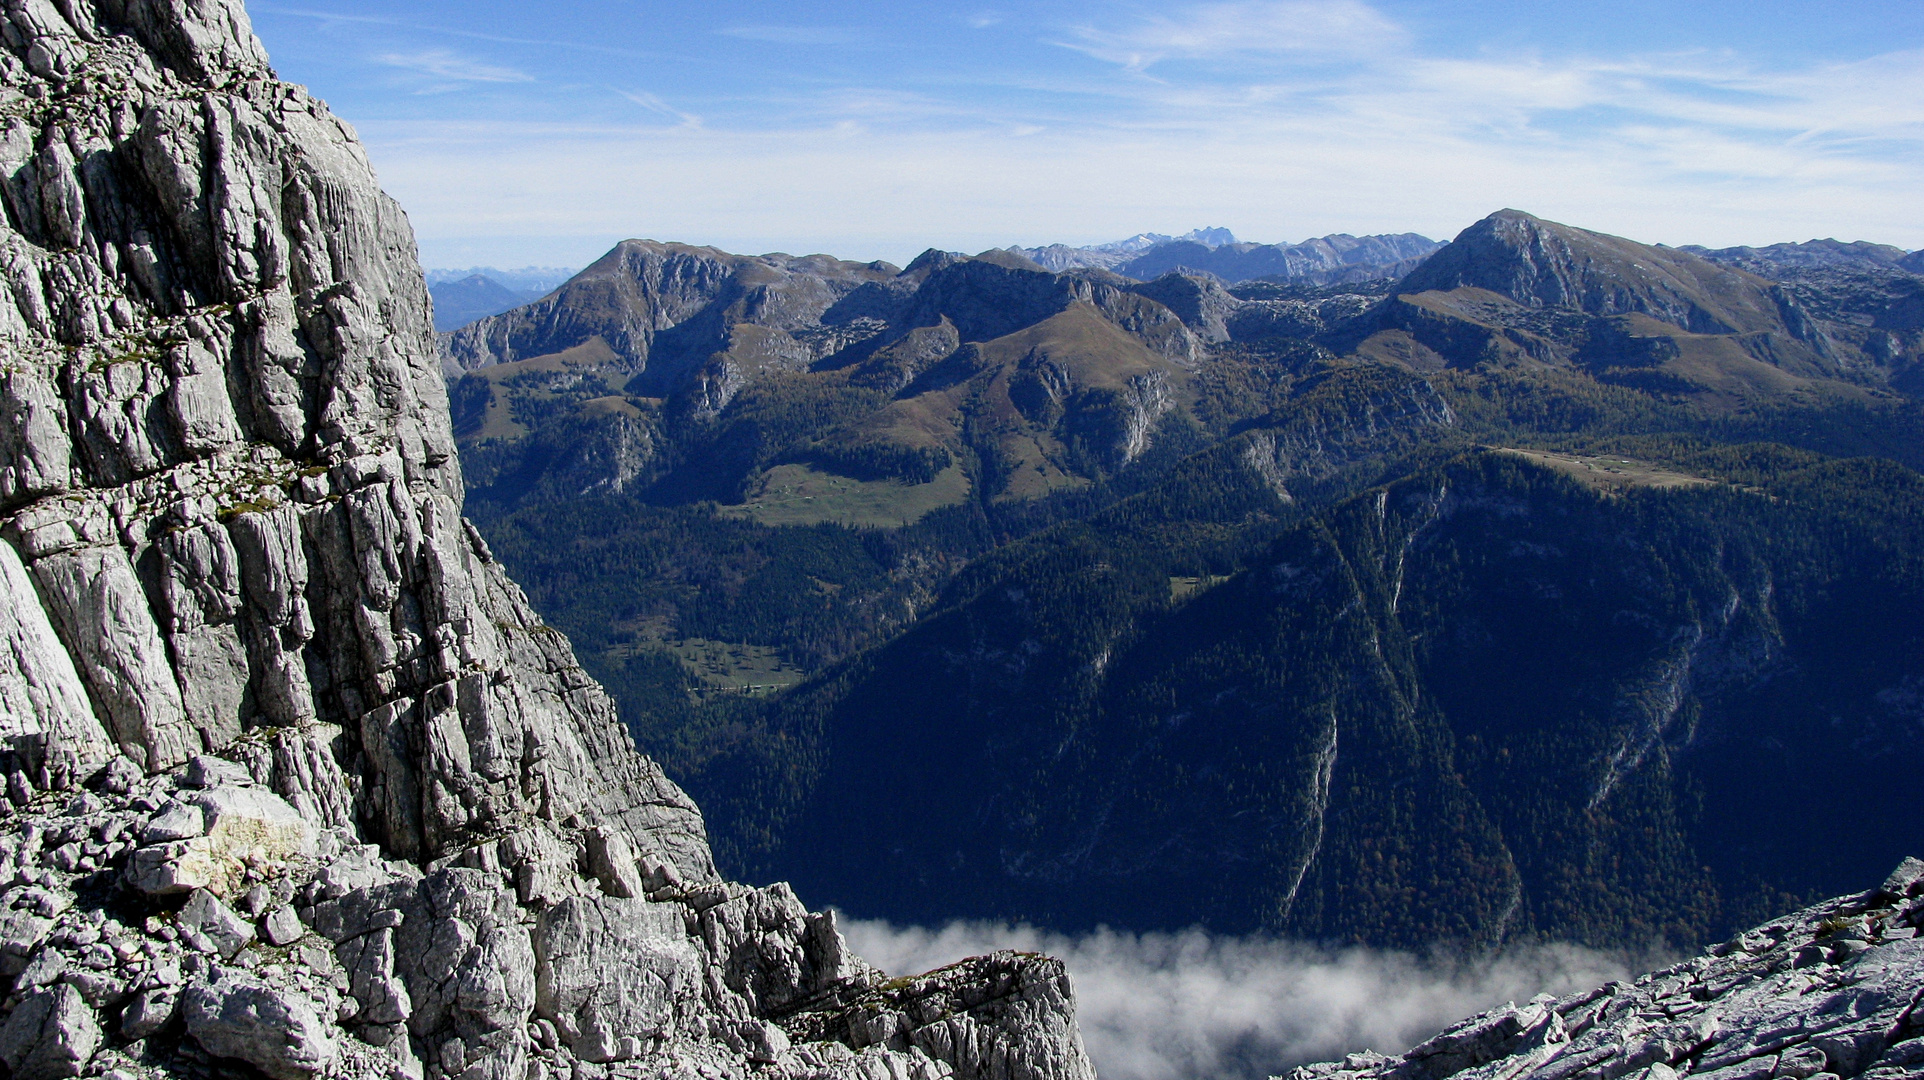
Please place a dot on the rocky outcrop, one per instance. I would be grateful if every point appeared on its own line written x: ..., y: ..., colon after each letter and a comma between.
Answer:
x: 294, y: 776
x: 1341, y: 418
x: 1829, y: 992
x: 514, y: 959
x: 1199, y: 300
x: 957, y: 1014
x: 1542, y: 264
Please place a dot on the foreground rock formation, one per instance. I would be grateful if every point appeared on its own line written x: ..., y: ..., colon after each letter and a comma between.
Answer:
x: 1831, y: 991
x: 294, y: 777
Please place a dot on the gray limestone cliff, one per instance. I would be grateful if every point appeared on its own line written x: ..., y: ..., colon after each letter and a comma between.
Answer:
x: 294, y: 775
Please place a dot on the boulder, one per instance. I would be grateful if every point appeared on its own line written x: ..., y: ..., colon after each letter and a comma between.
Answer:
x: 280, y: 1033
x: 175, y: 821
x: 52, y: 1034
x: 612, y: 862
x: 148, y: 1013
x: 208, y: 771
x: 245, y: 826
x: 205, y: 914
x: 21, y: 931
x: 282, y: 926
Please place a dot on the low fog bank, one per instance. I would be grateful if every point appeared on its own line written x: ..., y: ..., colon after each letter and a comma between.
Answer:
x: 1195, y: 1005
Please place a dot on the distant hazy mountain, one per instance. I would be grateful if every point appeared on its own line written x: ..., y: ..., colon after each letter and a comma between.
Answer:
x: 1214, y: 238
x: 1811, y: 254
x: 535, y: 279
x: 1325, y: 260
x: 462, y: 296
x: 1060, y: 257
x: 458, y: 303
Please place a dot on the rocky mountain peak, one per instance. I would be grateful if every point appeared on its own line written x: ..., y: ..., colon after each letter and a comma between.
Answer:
x: 1010, y: 260
x: 1543, y: 264
x: 291, y: 766
x: 930, y: 261
x: 1200, y: 300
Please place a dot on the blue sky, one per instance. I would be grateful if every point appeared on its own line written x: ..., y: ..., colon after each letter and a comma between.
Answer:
x: 528, y: 133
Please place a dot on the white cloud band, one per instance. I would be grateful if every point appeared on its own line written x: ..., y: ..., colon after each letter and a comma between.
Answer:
x: 1175, y: 1006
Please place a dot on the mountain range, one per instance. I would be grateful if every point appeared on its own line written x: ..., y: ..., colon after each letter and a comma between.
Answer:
x: 974, y: 589
x: 1325, y: 260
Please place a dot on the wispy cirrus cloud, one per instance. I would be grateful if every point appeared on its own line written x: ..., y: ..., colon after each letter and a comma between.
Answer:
x: 657, y: 105
x: 1281, y: 120
x: 446, y: 66
x: 1340, y: 28
x: 797, y: 35
x: 388, y: 21
x: 1678, y: 149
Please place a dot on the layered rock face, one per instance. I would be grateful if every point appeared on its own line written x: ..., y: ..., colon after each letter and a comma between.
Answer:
x: 295, y: 777
x: 1831, y: 991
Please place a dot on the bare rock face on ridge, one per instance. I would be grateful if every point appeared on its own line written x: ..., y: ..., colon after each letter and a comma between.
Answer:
x: 294, y: 776
x: 1828, y: 992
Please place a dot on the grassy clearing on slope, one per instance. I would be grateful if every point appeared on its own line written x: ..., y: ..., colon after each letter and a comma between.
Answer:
x: 1610, y: 474
x: 804, y: 495
x: 1182, y: 588
x: 718, y: 667
x: 499, y: 421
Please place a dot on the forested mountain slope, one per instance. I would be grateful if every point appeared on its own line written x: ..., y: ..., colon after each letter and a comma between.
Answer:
x: 1484, y: 700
